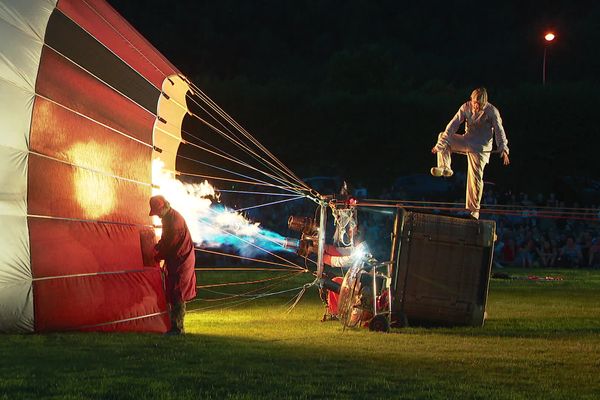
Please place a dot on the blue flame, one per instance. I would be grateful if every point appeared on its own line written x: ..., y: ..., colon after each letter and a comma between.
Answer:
x: 259, y: 243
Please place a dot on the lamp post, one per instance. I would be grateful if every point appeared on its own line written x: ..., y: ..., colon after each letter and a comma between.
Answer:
x: 549, y: 37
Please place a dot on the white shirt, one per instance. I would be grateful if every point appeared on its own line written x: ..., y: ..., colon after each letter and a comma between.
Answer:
x: 480, y: 128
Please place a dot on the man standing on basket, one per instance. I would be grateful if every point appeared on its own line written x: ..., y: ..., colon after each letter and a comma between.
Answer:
x: 482, y: 122
x: 177, y: 249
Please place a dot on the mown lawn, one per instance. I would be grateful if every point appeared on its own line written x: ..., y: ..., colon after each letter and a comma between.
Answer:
x: 541, y: 341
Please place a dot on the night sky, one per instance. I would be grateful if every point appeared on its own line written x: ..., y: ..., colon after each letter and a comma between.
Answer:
x: 361, y: 88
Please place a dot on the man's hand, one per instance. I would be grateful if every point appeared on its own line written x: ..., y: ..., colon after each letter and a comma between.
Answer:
x: 505, y: 158
x: 434, y: 150
x: 156, y: 254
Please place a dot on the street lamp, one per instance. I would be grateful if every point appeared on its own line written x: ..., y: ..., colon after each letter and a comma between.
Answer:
x: 549, y: 37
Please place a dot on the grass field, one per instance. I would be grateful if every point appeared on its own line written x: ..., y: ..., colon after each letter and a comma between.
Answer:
x: 541, y: 341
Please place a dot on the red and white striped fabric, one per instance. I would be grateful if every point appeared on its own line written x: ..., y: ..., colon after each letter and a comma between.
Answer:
x: 80, y: 91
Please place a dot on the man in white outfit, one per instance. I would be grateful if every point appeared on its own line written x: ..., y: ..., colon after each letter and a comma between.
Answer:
x: 482, y: 122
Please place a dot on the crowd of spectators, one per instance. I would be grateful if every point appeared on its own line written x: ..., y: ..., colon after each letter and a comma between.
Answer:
x: 540, y: 231
x: 544, y: 232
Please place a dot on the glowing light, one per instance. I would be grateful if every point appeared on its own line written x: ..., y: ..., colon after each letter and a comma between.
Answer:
x: 360, y: 251
x: 94, y: 192
x: 549, y: 36
x: 211, y: 224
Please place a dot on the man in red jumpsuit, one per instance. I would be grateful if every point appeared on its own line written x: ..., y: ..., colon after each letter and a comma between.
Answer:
x: 177, y: 249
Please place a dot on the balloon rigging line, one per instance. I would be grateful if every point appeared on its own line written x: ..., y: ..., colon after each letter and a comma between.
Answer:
x: 299, y: 295
x: 290, y: 189
x: 229, y: 180
x: 224, y: 155
x: 264, y: 238
x: 233, y: 138
x: 131, y: 45
x: 214, y: 107
x: 89, y: 169
x: 252, y: 244
x: 490, y: 208
x: 46, y: 278
x: 547, y: 215
x: 101, y: 80
x: 244, y: 301
x: 132, y: 101
x: 483, y: 205
x: 206, y: 99
x: 245, y: 294
x: 119, y: 321
x: 114, y: 89
x: 90, y: 220
x: 228, y: 171
x: 255, y: 193
x: 236, y: 301
x: 243, y: 282
x: 244, y: 164
x: 233, y: 159
x: 268, y: 204
x: 247, y: 258
x: 515, y: 212
x: 286, y: 178
x: 248, y: 294
x: 243, y: 147
x: 202, y: 120
x: 240, y: 128
x: 216, y: 151
x: 247, y: 269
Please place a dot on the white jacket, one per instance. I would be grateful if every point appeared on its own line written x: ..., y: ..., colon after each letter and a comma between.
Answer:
x: 480, y: 128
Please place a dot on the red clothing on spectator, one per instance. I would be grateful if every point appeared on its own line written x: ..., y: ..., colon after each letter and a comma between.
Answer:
x: 509, y: 251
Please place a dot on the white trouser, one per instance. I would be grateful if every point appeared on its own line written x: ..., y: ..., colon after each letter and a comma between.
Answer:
x: 448, y: 144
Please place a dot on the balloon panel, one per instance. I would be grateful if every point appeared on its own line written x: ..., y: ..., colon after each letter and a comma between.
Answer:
x: 64, y: 191
x: 83, y: 302
x: 79, y: 88
x: 67, y: 84
x: 107, y: 26
x: 16, y: 306
x: 74, y: 247
x: 72, y: 42
x: 64, y: 135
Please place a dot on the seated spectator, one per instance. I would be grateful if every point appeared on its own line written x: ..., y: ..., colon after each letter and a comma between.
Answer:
x: 526, y: 254
x: 570, y: 254
x: 594, y: 258
x: 509, y: 251
x: 547, y: 253
x: 586, y: 243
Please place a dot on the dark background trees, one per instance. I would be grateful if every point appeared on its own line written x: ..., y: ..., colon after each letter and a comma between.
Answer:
x: 360, y: 88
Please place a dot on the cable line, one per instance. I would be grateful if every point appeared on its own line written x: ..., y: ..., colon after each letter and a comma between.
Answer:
x: 291, y: 264
x: 245, y: 258
x: 254, y: 193
x: 269, y: 204
x: 242, y: 130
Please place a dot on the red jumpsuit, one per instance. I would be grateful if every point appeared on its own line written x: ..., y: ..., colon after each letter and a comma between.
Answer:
x: 177, y: 249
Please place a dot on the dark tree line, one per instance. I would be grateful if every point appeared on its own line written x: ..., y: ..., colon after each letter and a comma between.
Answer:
x: 360, y: 88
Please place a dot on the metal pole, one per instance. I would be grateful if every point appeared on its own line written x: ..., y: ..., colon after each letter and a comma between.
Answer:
x: 544, y: 67
x: 374, y: 268
x: 321, y: 239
